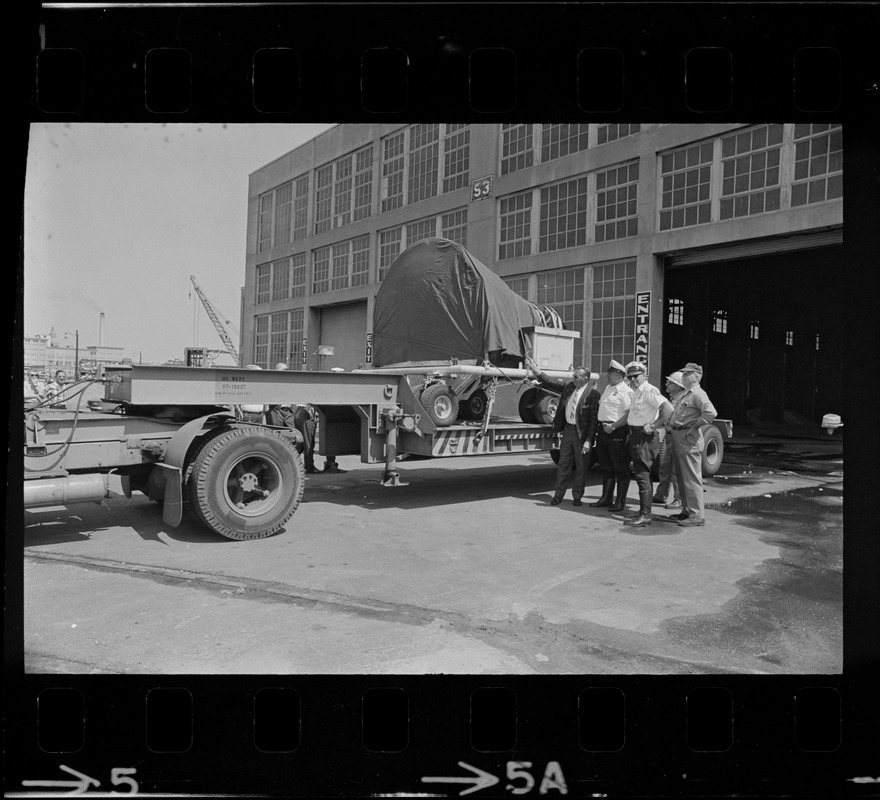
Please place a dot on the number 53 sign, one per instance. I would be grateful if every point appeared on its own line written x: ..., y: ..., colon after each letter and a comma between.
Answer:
x: 481, y: 188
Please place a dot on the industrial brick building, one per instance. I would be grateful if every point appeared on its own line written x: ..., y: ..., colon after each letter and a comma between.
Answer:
x: 669, y: 243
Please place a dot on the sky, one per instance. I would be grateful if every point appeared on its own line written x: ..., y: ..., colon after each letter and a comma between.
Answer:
x: 117, y: 216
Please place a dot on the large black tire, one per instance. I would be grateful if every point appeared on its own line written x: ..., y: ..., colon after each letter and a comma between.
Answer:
x: 474, y: 406
x: 545, y: 410
x: 245, y: 483
x: 440, y: 404
x: 527, y: 406
x: 713, y: 450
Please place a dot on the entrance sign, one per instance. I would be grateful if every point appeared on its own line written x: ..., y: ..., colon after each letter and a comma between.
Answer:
x: 643, y: 326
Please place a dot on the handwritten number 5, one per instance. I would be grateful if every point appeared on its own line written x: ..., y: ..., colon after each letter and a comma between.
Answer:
x: 119, y: 777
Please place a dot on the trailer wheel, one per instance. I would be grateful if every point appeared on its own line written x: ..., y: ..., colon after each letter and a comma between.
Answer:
x: 473, y: 407
x: 527, y: 406
x: 441, y: 404
x: 713, y: 450
x: 546, y: 408
x: 245, y: 483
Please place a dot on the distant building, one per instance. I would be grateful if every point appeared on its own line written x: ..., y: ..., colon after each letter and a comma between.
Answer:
x: 43, y: 352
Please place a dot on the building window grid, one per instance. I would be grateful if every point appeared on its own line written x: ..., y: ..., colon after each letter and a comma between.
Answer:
x: 613, y: 311
x: 298, y: 275
x: 360, y: 261
x: 390, y: 242
x: 424, y: 160
x: 421, y: 229
x: 264, y: 283
x: 261, y: 340
x: 675, y: 313
x: 393, y: 163
x: 301, y: 208
x: 283, y: 214
x: 719, y: 320
x: 563, y: 291
x: 686, y: 186
x: 321, y: 270
x: 294, y: 349
x: 818, y: 163
x: 563, y: 215
x: 323, y: 198
x: 363, y: 183
x: 750, y: 171
x: 266, y: 217
x: 339, y: 268
x: 515, y: 238
x: 280, y: 279
x: 617, y: 202
x: 278, y: 337
x: 559, y: 140
x: 453, y: 226
x: 610, y: 133
x: 456, y: 157
x: 516, y: 148
x: 342, y: 192
x: 519, y: 286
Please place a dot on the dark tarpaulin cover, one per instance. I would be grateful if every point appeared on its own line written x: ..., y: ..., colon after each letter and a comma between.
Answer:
x: 437, y: 301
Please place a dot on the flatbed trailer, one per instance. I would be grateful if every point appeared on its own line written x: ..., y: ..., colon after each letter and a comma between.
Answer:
x: 176, y: 435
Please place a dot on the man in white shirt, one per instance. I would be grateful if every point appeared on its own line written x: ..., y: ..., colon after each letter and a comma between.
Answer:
x: 649, y: 412
x: 611, y: 452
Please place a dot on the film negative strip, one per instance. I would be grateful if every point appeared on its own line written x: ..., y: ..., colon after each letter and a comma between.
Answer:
x: 604, y: 715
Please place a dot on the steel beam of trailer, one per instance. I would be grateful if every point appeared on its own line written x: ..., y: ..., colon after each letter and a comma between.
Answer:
x: 235, y: 386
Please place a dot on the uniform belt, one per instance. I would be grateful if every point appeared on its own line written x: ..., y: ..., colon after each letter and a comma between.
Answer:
x: 679, y: 427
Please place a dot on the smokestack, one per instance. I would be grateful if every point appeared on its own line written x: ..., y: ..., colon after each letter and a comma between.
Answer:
x: 101, y: 331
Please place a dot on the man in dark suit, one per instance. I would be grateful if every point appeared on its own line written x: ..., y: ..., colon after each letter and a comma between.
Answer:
x: 576, y: 419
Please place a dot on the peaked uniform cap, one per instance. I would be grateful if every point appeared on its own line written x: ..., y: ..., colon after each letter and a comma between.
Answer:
x: 635, y: 368
x: 616, y: 366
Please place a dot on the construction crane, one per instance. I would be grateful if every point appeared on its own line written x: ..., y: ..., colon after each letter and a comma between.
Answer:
x: 219, y: 325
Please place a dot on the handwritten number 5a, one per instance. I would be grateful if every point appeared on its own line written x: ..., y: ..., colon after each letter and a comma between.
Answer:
x: 119, y: 777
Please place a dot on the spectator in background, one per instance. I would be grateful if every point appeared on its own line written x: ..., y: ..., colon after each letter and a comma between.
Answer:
x: 300, y: 417
x: 55, y: 390
x: 33, y: 391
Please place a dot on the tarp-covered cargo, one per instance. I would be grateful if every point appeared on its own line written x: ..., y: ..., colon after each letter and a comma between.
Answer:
x: 438, y: 302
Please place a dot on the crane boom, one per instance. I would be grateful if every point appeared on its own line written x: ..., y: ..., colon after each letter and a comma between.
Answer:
x: 224, y: 335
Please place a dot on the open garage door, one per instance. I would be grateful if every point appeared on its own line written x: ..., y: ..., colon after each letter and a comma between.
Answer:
x: 767, y: 329
x: 343, y: 328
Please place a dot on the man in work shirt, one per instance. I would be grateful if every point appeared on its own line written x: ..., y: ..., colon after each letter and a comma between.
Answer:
x: 301, y: 418
x: 611, y: 451
x: 648, y: 413
x: 674, y: 388
x: 576, y: 420
x: 693, y: 409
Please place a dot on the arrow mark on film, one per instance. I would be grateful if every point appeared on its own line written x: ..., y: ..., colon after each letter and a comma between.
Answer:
x: 78, y: 786
x: 480, y: 779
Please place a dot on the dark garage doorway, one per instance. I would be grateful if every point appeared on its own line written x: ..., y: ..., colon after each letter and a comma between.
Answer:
x: 767, y: 330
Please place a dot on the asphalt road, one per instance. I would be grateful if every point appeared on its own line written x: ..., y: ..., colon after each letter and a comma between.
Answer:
x: 466, y: 569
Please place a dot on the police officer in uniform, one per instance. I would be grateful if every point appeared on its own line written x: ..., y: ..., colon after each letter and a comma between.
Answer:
x: 693, y: 410
x: 648, y: 413
x: 611, y: 450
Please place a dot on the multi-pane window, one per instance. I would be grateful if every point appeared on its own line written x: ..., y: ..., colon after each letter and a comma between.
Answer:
x: 363, y: 182
x: 281, y: 279
x: 516, y: 226
x: 283, y: 213
x: 453, y: 226
x: 298, y: 275
x: 686, y: 176
x: 719, y: 320
x: 519, y: 286
x: 349, y: 263
x: 321, y: 270
x: 424, y: 150
x: 389, y: 249
x: 261, y: 340
x: 563, y: 290
x: 267, y: 205
x: 516, y: 148
x: 342, y: 192
x: 278, y: 338
x: 301, y: 208
x: 614, y: 307
x: 456, y: 157
x: 675, y: 311
x: 617, y: 203
x: 561, y: 140
x: 750, y: 171
x: 608, y: 133
x: 393, y: 163
x: 818, y: 163
x: 421, y: 229
x: 264, y: 283
x: 323, y: 198
x: 563, y: 220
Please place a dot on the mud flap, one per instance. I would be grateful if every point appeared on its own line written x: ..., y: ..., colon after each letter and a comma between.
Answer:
x: 172, y: 508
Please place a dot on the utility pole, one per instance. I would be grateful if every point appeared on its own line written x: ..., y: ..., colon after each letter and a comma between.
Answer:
x: 76, y: 355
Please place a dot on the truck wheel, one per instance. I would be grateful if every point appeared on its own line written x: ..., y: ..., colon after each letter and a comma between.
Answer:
x: 713, y: 450
x: 527, y: 406
x: 245, y: 483
x: 473, y: 407
x: 546, y: 408
x: 441, y: 404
